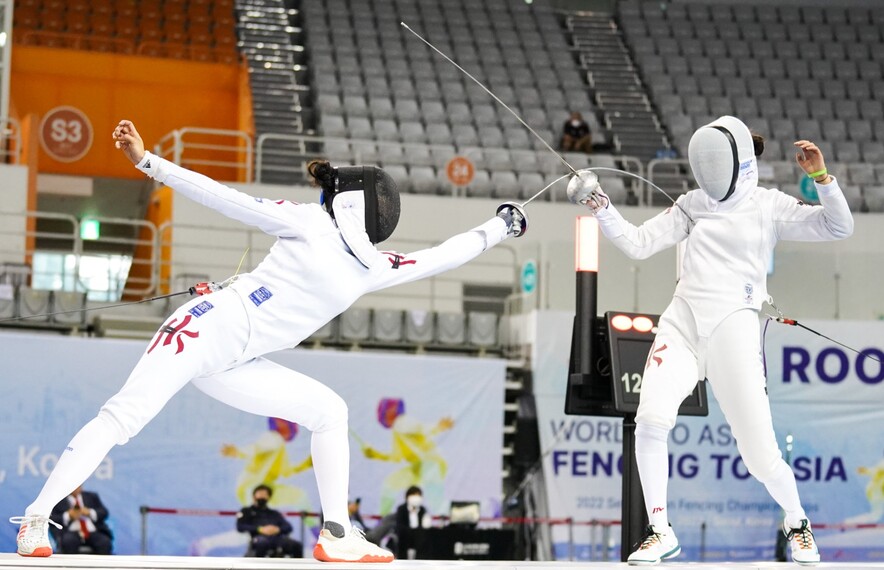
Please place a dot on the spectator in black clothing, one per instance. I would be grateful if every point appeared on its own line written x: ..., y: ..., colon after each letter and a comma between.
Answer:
x: 576, y: 135
x: 268, y: 528
x: 411, y: 517
x: 83, y: 518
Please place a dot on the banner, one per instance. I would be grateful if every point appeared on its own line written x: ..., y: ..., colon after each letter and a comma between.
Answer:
x: 825, y: 397
x: 433, y: 421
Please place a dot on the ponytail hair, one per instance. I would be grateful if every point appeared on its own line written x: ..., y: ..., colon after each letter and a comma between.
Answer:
x: 758, y: 143
x: 323, y: 174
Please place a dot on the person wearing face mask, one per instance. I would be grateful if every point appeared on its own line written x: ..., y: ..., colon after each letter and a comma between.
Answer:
x: 267, y: 527
x: 576, y: 135
x: 325, y: 257
x: 726, y: 231
x: 411, y: 517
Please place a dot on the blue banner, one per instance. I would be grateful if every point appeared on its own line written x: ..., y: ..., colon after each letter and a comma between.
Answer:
x: 434, y: 421
x: 825, y: 398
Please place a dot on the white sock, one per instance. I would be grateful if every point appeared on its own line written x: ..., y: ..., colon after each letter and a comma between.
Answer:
x: 78, y: 461
x: 784, y: 490
x: 331, y: 465
x: 652, y: 456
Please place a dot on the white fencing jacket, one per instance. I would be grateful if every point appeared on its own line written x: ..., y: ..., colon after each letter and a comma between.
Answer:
x: 728, y: 245
x: 310, y: 275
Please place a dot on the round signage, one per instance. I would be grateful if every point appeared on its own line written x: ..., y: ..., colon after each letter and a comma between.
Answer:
x: 529, y: 276
x: 66, y: 134
x: 460, y: 170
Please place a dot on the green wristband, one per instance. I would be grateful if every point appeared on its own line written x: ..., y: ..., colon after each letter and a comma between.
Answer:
x: 818, y: 173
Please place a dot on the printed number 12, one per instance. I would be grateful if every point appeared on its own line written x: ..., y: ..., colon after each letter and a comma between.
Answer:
x: 636, y: 386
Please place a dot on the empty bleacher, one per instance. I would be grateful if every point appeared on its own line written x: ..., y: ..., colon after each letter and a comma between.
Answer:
x: 789, y: 72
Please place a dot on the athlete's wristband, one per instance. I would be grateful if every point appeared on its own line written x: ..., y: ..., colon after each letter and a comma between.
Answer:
x: 818, y: 173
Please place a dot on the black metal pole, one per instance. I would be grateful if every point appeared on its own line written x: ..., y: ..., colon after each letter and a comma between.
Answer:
x: 633, y: 515
x: 587, y: 306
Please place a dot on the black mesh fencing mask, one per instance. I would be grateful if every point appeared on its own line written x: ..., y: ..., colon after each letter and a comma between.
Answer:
x: 381, y: 198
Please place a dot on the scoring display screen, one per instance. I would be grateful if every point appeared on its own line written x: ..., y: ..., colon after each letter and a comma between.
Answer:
x: 629, y: 347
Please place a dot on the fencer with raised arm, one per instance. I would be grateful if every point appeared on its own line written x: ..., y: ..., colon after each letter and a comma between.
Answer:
x: 324, y: 259
x: 728, y: 229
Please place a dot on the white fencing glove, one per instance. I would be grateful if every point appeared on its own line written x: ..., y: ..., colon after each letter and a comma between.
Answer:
x: 585, y: 189
x: 515, y: 217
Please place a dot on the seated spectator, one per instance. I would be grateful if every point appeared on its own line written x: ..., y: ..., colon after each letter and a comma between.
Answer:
x: 356, y: 518
x: 268, y: 528
x: 576, y: 135
x: 410, y: 518
x: 83, y: 518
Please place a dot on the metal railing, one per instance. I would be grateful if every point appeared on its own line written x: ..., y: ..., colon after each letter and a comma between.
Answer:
x: 176, y: 147
x: 10, y: 141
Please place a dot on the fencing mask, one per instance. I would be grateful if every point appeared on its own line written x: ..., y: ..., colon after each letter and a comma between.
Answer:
x: 364, y: 202
x: 722, y: 157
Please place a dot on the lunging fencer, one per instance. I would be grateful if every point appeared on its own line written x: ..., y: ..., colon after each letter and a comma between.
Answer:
x: 323, y: 260
x: 728, y: 229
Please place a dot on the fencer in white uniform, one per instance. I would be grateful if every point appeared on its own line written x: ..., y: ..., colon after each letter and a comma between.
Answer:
x: 728, y: 229
x: 323, y: 260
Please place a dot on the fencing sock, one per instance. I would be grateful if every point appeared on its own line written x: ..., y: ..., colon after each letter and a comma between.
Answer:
x: 652, y: 457
x: 331, y: 464
x: 784, y: 490
x: 78, y: 461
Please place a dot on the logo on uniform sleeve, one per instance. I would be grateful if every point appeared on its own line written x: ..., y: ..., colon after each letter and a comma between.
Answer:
x: 397, y: 259
x: 259, y: 200
x: 748, y: 289
x: 201, y: 309
x: 260, y: 295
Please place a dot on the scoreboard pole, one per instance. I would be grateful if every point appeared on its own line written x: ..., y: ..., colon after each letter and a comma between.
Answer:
x: 633, y: 516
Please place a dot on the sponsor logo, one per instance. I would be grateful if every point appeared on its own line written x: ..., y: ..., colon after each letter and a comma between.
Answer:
x: 201, y: 309
x: 171, y: 331
x: 260, y: 295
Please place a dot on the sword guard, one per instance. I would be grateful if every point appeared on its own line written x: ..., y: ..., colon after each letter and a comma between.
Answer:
x: 204, y: 288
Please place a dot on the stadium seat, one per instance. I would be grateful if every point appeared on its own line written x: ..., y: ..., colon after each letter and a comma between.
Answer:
x: 66, y: 301
x: 450, y: 328
x: 419, y: 327
x: 355, y: 325
x: 34, y: 302
x: 482, y: 329
x: 387, y: 326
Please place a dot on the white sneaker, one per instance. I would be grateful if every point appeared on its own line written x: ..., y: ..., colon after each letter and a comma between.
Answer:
x: 333, y: 546
x: 655, y: 547
x: 804, y: 549
x: 33, y: 535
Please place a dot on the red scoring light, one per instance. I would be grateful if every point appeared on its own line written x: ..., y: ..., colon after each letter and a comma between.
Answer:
x: 642, y: 324
x: 621, y: 322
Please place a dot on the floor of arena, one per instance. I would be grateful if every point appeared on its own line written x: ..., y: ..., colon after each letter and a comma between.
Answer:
x: 13, y: 561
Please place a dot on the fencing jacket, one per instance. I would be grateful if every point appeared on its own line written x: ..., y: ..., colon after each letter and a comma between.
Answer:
x: 310, y: 276
x: 728, y: 245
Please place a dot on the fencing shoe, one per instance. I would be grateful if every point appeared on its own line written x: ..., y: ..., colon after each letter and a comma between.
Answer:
x: 656, y: 546
x: 333, y: 546
x: 33, y: 535
x: 804, y: 549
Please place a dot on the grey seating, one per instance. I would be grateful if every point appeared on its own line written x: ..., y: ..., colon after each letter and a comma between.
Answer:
x: 859, y: 130
x: 530, y: 183
x: 355, y: 106
x: 385, y: 130
x: 407, y: 110
x: 32, y: 302
x: 364, y: 152
x: 412, y: 132
x: 66, y: 301
x: 505, y: 184
x: 387, y: 325
x: 433, y: 112
x: 381, y: 108
x: 439, y: 133
x: 360, y: 128
x: 480, y: 185
x: 874, y: 196
x: 419, y: 327
x: 862, y: 174
x: 459, y: 114
x: 423, y: 179
x: 450, y: 328
x: 482, y: 329
x: 874, y: 153
x: 333, y: 126
x: 326, y: 333
x: 834, y: 130
x: 464, y: 135
x: 498, y: 158
x: 337, y: 151
x: 355, y: 325
x: 847, y: 151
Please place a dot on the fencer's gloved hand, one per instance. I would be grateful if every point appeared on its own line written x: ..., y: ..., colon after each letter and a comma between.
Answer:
x: 515, y: 217
x: 585, y: 189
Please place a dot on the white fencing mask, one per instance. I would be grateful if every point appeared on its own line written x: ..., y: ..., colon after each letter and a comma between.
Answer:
x: 722, y: 157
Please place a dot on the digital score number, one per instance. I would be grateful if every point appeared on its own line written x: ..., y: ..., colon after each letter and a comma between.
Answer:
x: 630, y: 337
